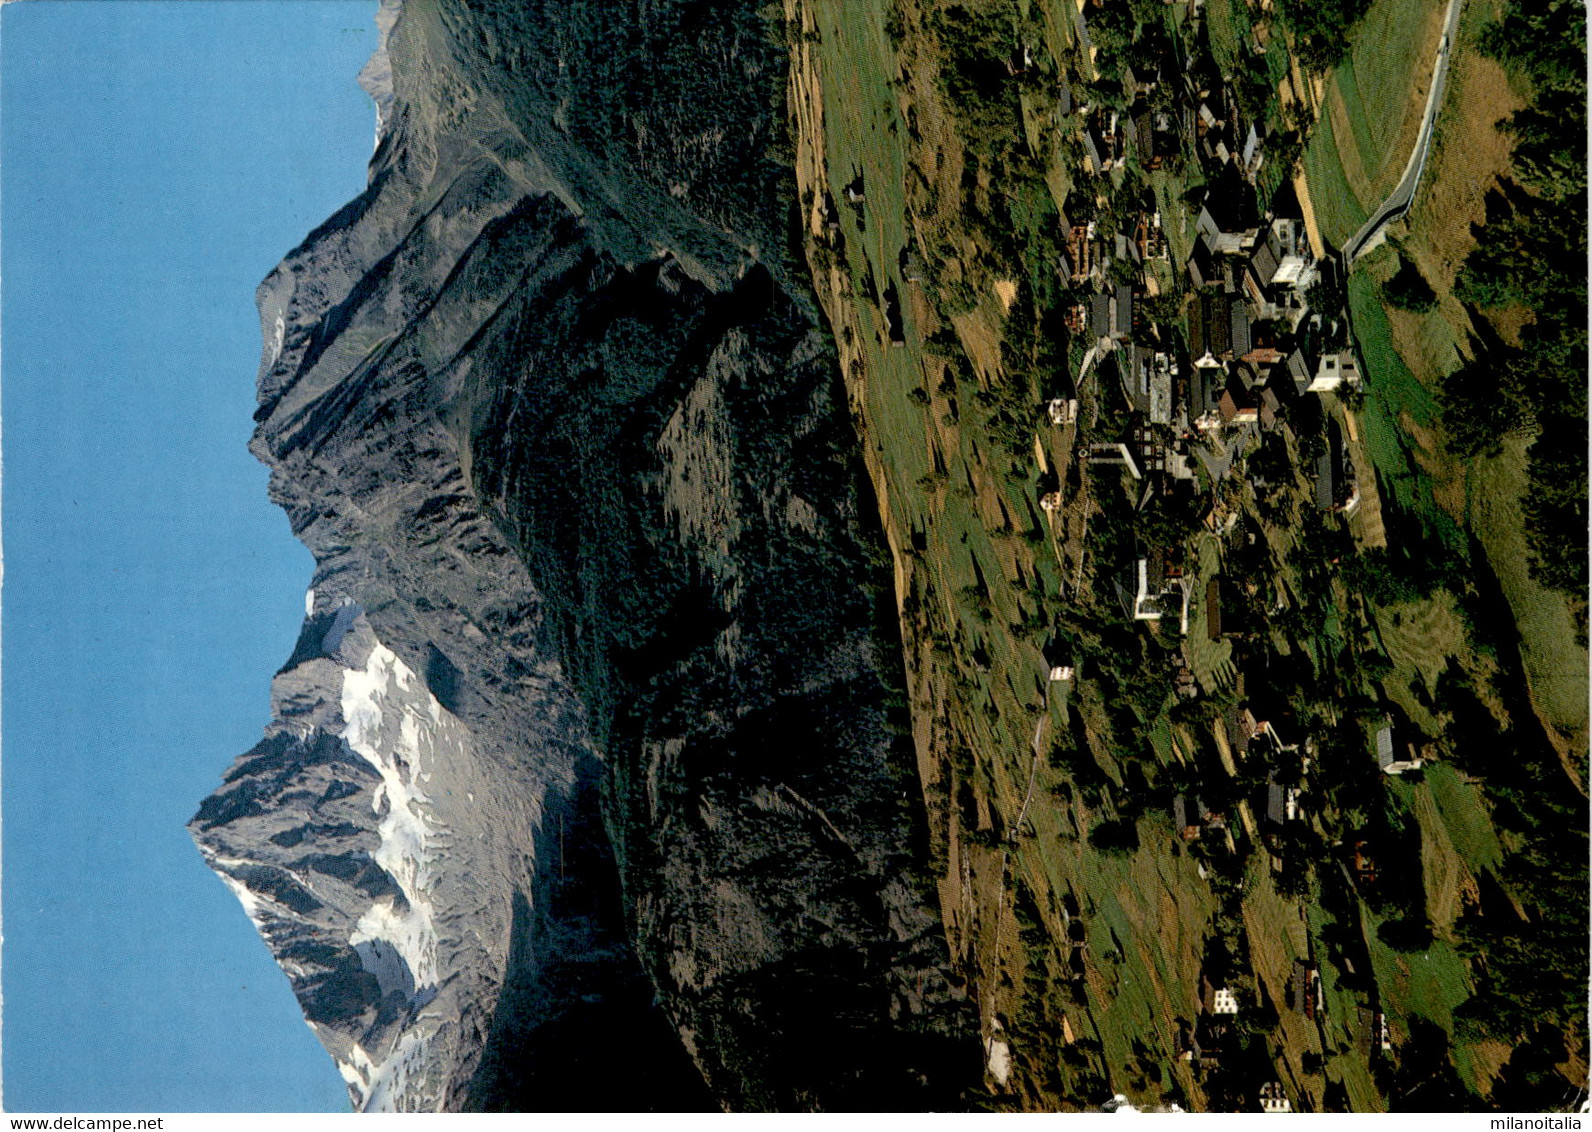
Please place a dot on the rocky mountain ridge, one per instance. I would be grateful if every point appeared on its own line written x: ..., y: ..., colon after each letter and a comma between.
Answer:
x: 594, y: 726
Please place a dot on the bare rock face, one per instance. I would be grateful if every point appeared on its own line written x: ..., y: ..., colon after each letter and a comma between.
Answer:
x: 354, y: 835
x: 592, y: 750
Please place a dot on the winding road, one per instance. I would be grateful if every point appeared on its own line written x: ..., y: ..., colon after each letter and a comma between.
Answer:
x: 1403, y: 195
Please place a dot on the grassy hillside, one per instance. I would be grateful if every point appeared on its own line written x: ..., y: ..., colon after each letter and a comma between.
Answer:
x: 938, y: 147
x: 1373, y: 105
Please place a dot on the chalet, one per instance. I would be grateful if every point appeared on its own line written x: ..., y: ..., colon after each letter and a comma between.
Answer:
x: 1276, y: 800
x: 1061, y: 674
x: 1252, y: 157
x: 1130, y: 133
x: 1164, y: 145
x: 1102, y: 141
x: 1273, y: 1098
x: 1100, y: 316
x: 1253, y: 284
x: 1287, y: 255
x: 1217, y: 1000
x: 1162, y: 371
x: 1238, y: 338
x: 1246, y: 725
x: 1210, y: 328
x: 1224, y: 610
x: 1371, y: 1033
x: 1237, y: 405
x: 1141, y: 79
x: 1290, y: 803
x: 1122, y: 313
x: 1206, y: 386
x: 1212, y: 128
x: 1149, y: 238
x: 1267, y: 346
x: 1271, y: 410
x: 1232, y: 281
x: 1333, y: 370
x: 1143, y: 133
x: 1147, y: 382
x: 1077, y: 318
x: 1229, y: 220
x: 1389, y: 760
x: 1091, y: 152
x: 1050, y: 501
x: 1079, y: 255
x: 1326, y: 490
x: 1224, y: 236
x: 1304, y: 988
x: 1184, y: 685
x: 1062, y: 411
x: 1336, y: 488
x: 1154, y: 136
x: 1299, y: 371
x: 1208, y: 1041
x: 1160, y: 591
x: 1203, y: 270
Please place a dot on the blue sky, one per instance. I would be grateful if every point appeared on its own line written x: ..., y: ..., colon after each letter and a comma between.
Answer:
x: 157, y: 157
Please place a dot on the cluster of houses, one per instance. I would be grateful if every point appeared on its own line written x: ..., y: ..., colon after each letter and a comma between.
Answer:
x: 1244, y: 355
x: 1261, y: 730
x: 1212, y: 1037
x: 1252, y: 342
x: 1250, y: 346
